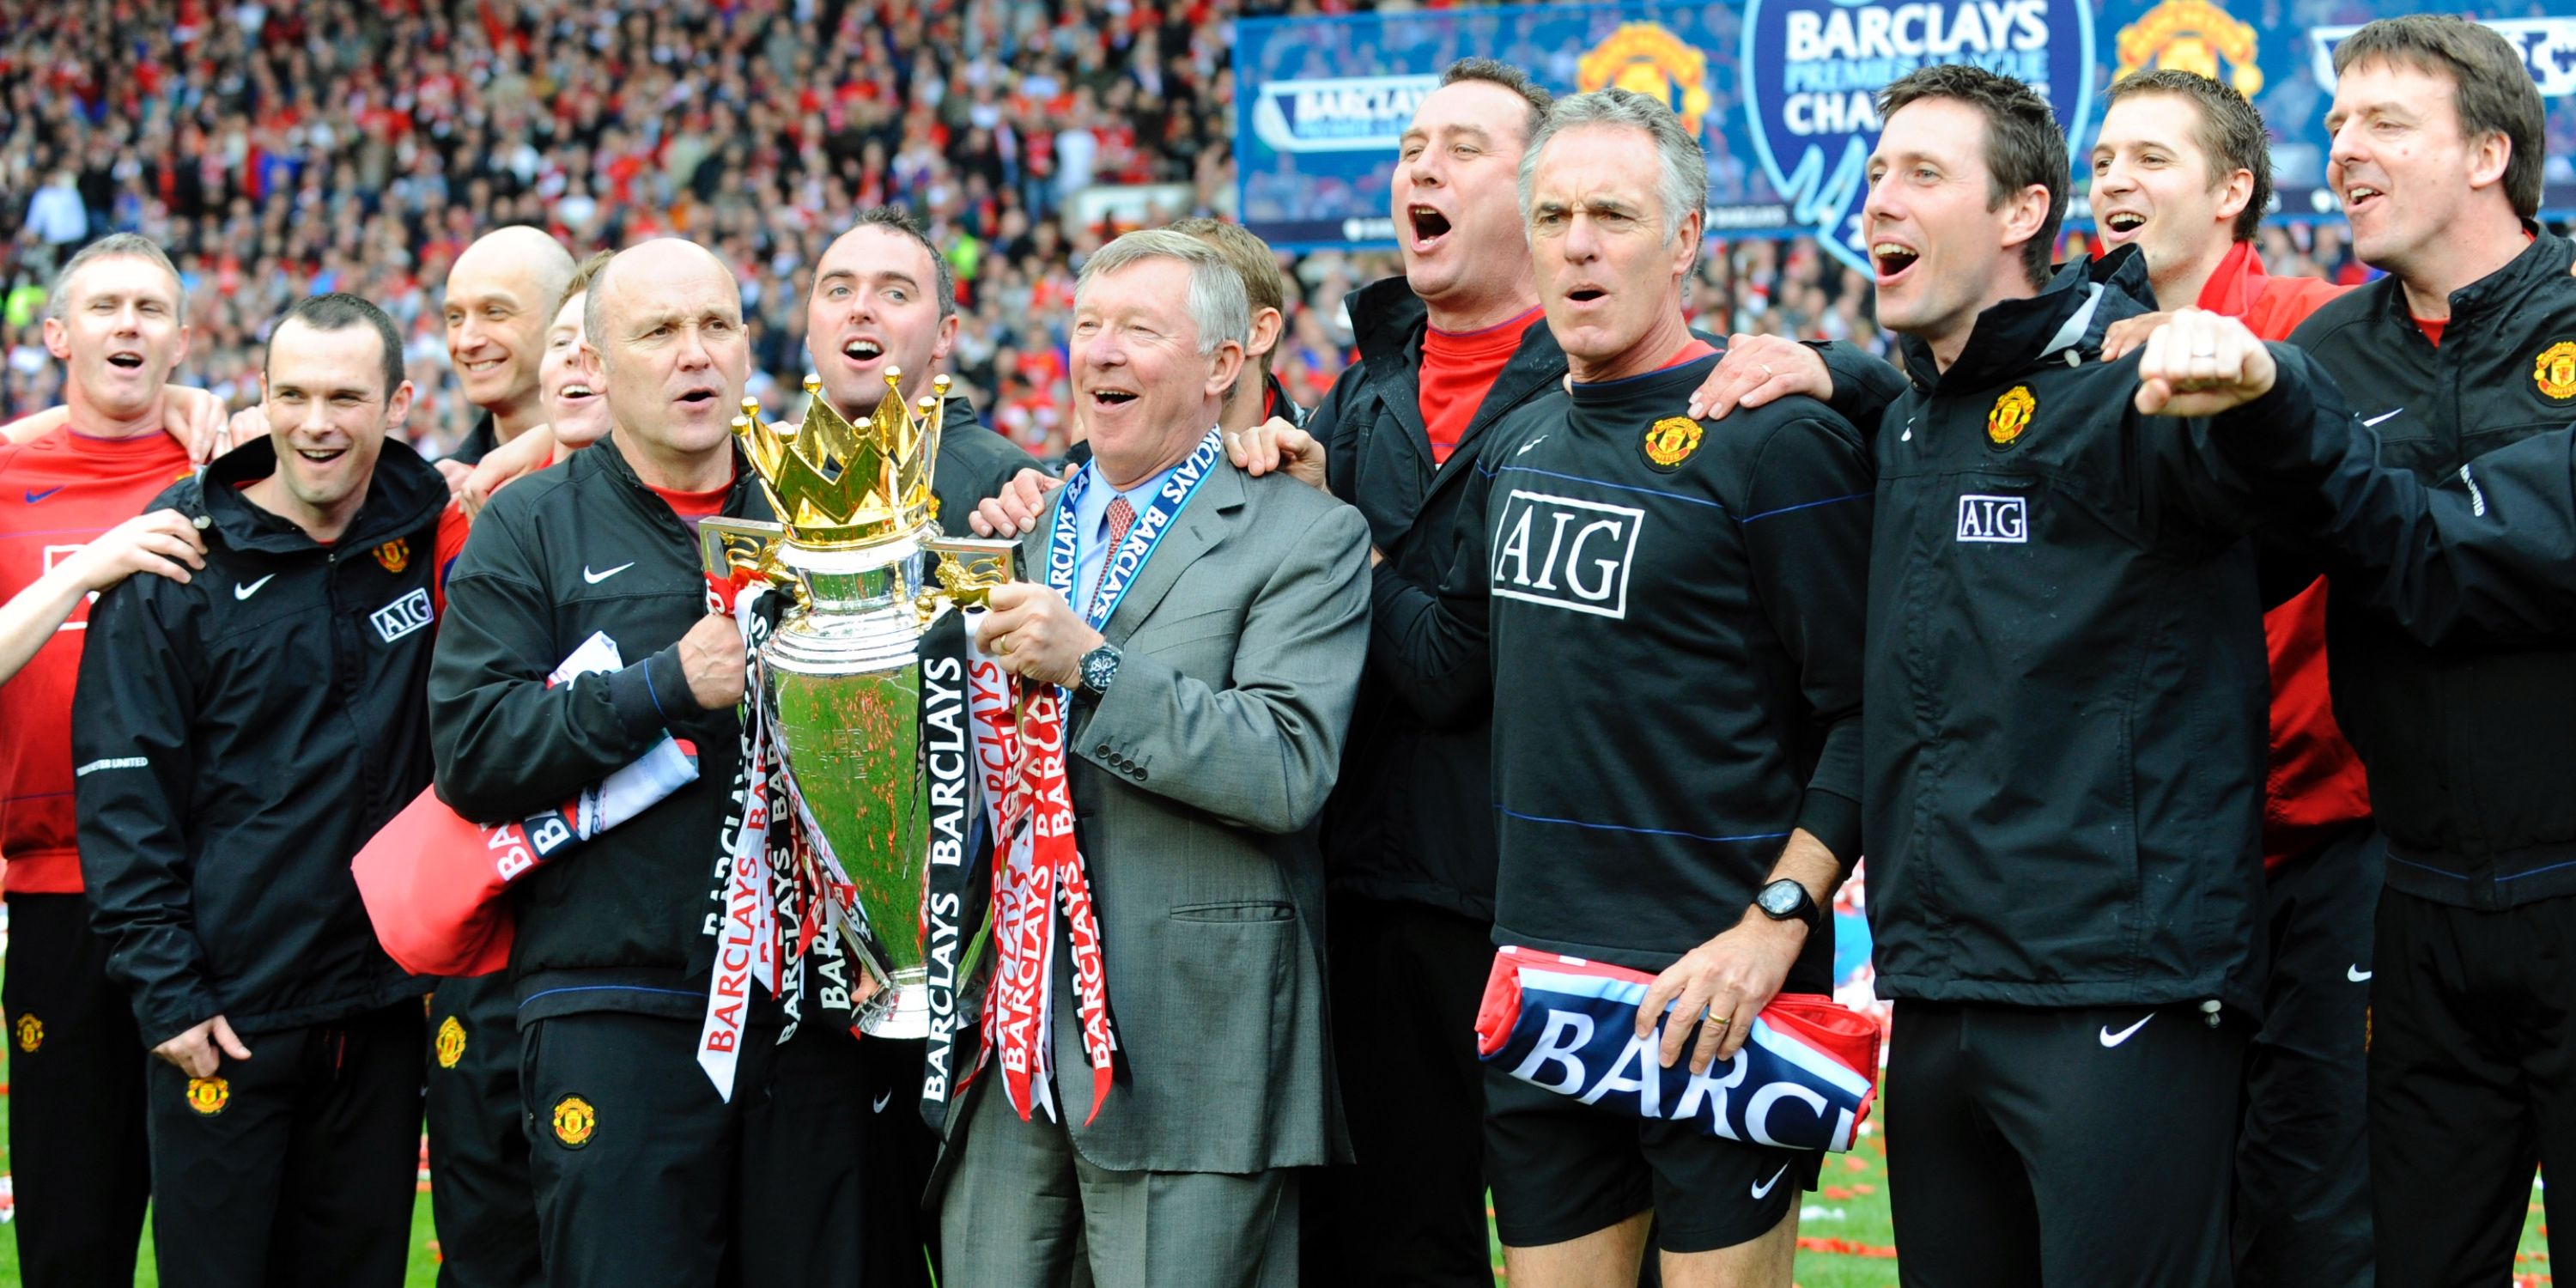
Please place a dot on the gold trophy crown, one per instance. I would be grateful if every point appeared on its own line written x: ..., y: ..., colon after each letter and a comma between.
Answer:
x: 839, y: 485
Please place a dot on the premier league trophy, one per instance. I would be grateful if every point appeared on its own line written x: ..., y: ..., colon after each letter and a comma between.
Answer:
x: 840, y: 676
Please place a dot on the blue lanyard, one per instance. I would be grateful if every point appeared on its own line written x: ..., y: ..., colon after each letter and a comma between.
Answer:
x: 1142, y: 538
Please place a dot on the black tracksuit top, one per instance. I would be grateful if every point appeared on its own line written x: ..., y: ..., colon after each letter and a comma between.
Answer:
x: 1674, y: 644
x: 1411, y: 817
x: 2067, y: 684
x: 581, y: 547
x: 239, y: 737
x: 2466, y: 739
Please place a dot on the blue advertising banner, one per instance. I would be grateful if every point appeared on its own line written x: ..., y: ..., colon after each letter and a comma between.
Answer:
x: 1781, y: 92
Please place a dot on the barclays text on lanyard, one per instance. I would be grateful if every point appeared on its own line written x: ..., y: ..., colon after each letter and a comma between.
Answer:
x: 1038, y: 867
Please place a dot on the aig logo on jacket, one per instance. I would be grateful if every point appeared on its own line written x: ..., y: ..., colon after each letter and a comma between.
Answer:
x: 1998, y: 519
x: 401, y: 617
x: 1566, y: 553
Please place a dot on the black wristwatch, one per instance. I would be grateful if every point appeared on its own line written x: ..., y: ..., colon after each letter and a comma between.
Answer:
x: 1099, y: 668
x: 1788, y: 900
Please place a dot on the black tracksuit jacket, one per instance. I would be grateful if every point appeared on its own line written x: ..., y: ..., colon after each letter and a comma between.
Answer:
x: 2464, y: 738
x: 239, y: 737
x: 578, y: 548
x: 2066, y: 680
x: 1412, y: 818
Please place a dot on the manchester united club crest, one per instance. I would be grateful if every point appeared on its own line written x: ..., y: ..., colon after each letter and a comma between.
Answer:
x: 395, y: 555
x: 2554, y: 371
x: 451, y: 1043
x: 2011, y: 415
x: 1670, y: 441
x: 574, y: 1121
x: 208, y: 1096
x: 31, y: 1033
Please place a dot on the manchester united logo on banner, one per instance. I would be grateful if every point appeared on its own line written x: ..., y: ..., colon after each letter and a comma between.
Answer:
x: 31, y: 1033
x: 1670, y: 441
x: 2011, y: 416
x: 2554, y: 371
x: 395, y: 555
x: 574, y: 1121
x: 1648, y: 58
x: 208, y: 1096
x: 451, y: 1043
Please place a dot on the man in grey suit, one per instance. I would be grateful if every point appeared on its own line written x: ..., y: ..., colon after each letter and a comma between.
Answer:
x: 1210, y: 628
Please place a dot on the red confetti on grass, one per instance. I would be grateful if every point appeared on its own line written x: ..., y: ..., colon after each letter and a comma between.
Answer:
x: 1845, y: 1248
x: 1837, y: 1193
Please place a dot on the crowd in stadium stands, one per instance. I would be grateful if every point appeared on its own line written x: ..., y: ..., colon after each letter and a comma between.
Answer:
x: 281, y: 149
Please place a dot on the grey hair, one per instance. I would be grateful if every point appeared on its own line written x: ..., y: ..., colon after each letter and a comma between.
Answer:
x: 1219, y: 307
x: 133, y: 245
x: 1681, y: 181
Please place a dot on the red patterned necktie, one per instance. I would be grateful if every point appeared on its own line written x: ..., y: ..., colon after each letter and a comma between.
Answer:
x: 1122, y: 516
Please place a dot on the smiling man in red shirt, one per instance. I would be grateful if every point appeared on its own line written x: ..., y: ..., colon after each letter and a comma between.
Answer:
x: 69, y: 501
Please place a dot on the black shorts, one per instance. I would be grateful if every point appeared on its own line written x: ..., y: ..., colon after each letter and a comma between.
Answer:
x: 1561, y: 1169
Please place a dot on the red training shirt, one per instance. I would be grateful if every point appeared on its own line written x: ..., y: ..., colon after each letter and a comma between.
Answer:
x: 1457, y: 370
x: 57, y: 494
x: 2316, y: 784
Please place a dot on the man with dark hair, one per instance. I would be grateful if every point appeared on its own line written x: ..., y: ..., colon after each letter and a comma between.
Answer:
x: 2063, y: 877
x: 883, y: 299
x: 2469, y: 344
x: 69, y: 502
x: 238, y: 737
x: 2182, y: 169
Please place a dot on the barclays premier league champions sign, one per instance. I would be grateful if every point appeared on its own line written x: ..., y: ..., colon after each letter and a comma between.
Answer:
x: 1813, y: 70
x: 1782, y: 92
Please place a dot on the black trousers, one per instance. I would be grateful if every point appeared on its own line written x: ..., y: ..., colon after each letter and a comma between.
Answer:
x: 295, y: 1167
x: 2303, y: 1158
x: 896, y: 1153
x: 77, y: 1151
x: 2087, y: 1147
x: 1406, y: 983
x: 644, y: 1177
x: 479, y: 1192
x: 2472, y: 1085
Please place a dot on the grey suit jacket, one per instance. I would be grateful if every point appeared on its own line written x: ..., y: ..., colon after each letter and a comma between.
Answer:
x: 1197, y: 782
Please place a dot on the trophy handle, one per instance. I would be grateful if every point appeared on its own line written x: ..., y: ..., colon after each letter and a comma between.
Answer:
x: 727, y: 547
x: 969, y: 567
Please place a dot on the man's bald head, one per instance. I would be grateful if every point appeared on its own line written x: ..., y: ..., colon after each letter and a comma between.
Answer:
x: 500, y: 294
x: 666, y: 318
x: 652, y: 261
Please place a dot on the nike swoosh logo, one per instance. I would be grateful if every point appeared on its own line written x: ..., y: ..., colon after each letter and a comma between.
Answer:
x: 1765, y: 1187
x: 248, y: 589
x: 2111, y: 1039
x: 594, y: 578
x: 885, y: 1098
x: 1530, y: 444
x: 2373, y: 422
x: 34, y: 497
x: 2358, y: 975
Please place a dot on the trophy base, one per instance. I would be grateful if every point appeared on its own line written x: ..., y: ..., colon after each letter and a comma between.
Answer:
x: 901, y: 1009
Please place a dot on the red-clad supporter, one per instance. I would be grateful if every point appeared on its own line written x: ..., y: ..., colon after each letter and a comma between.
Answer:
x: 69, y: 502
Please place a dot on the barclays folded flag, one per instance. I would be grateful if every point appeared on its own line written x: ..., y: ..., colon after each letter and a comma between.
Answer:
x: 1805, y: 1078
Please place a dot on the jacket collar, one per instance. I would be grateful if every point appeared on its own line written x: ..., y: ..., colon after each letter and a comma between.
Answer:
x: 403, y: 495
x: 2063, y: 322
x: 2541, y: 263
x: 1202, y: 526
x: 743, y: 500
